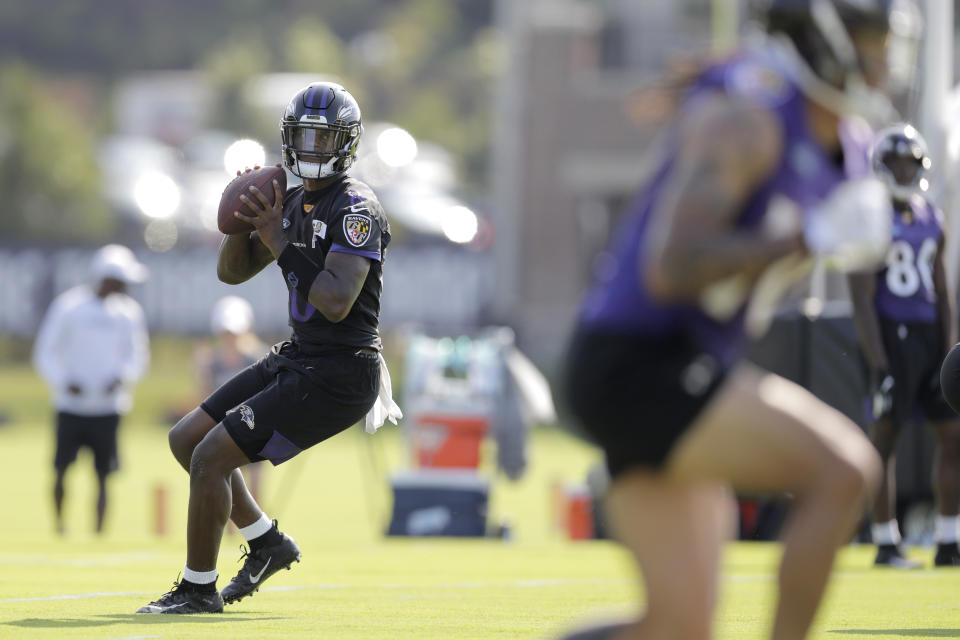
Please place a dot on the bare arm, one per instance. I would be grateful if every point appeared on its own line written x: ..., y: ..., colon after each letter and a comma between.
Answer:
x: 336, y: 287
x: 241, y: 257
x: 863, y: 289
x: 727, y: 150
x: 946, y: 306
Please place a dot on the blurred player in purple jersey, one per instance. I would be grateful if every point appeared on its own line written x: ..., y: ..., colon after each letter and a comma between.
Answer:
x: 764, y: 168
x: 906, y: 322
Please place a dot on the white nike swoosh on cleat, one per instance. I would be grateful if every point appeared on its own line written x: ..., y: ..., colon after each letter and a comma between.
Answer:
x: 155, y: 608
x: 255, y: 579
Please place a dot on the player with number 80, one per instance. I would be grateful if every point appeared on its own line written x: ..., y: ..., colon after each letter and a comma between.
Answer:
x: 906, y: 323
x: 909, y: 273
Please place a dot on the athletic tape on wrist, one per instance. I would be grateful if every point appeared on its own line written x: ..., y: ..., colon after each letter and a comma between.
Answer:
x: 299, y: 270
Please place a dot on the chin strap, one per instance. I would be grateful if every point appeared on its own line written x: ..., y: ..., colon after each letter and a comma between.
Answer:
x: 326, y: 169
x: 315, y: 170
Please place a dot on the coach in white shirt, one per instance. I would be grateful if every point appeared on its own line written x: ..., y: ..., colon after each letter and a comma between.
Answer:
x: 91, y: 347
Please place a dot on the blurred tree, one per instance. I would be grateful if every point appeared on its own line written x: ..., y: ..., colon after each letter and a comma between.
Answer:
x: 50, y: 181
x: 423, y: 64
x: 115, y: 37
x: 228, y: 67
x: 313, y: 47
x: 426, y: 69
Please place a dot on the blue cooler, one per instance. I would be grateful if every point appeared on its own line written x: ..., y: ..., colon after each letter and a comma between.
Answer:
x: 439, y: 503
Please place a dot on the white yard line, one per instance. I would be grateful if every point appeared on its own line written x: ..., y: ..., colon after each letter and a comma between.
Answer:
x: 78, y: 596
x: 97, y: 560
x: 525, y: 584
x: 519, y: 584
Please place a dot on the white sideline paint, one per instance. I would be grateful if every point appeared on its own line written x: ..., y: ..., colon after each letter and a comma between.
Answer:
x: 551, y: 582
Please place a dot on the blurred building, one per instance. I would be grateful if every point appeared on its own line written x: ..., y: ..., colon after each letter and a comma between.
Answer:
x: 571, y: 140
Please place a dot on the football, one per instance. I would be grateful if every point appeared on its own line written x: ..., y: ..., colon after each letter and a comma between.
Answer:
x: 262, y: 179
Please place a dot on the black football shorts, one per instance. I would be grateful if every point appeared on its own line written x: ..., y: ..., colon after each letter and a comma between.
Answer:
x: 290, y: 401
x: 635, y: 396
x: 914, y: 352
x: 99, y: 433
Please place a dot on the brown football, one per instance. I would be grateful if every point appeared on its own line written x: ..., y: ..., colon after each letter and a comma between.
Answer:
x: 262, y: 179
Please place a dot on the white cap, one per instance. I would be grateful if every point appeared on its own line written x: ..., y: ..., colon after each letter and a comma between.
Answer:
x: 117, y: 262
x: 233, y: 314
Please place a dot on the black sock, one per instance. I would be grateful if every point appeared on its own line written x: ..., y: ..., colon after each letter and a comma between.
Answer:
x: 209, y: 587
x: 269, y: 539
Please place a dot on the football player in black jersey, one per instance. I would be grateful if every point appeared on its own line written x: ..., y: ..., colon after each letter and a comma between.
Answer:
x: 329, y: 237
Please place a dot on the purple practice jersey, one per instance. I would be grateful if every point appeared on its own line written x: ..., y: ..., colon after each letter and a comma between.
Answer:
x: 618, y: 301
x: 905, y: 291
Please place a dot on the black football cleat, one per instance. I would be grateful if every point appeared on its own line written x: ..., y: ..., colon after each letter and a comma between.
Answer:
x: 890, y: 555
x: 260, y: 565
x: 948, y: 555
x: 182, y: 599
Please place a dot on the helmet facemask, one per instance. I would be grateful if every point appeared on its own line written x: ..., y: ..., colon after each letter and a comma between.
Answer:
x: 315, y: 150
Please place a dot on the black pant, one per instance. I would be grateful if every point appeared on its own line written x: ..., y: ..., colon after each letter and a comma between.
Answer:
x: 290, y: 401
x: 99, y: 433
x: 636, y: 395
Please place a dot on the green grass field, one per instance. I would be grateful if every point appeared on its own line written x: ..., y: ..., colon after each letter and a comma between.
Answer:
x: 353, y: 583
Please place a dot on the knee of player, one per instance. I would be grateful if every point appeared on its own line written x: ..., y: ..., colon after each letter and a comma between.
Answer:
x: 175, y: 441
x: 845, y: 471
x: 209, y: 460
x: 853, y: 475
x: 202, y: 461
x: 182, y: 444
x: 198, y: 463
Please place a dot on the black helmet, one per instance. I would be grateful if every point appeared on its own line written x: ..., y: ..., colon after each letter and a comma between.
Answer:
x: 821, y: 30
x: 320, y: 130
x: 819, y: 35
x: 899, y: 157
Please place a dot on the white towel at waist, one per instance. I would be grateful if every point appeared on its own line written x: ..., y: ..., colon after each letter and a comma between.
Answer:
x: 384, y: 408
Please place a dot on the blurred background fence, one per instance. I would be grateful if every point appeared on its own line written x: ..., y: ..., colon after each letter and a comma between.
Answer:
x: 183, y: 287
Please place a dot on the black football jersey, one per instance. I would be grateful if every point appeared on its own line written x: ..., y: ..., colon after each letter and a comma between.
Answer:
x: 347, y: 217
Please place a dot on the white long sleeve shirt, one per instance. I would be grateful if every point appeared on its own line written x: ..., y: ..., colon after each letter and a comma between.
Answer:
x: 90, y: 342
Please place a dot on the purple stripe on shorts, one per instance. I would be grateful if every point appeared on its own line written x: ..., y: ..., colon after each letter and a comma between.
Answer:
x: 373, y: 255
x: 278, y: 449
